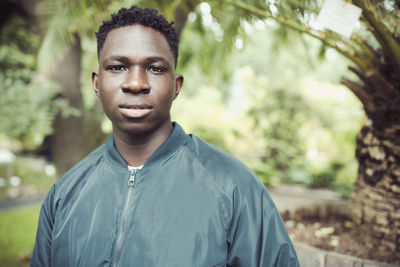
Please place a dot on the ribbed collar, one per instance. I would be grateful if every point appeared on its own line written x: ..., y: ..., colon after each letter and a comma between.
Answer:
x: 176, y: 139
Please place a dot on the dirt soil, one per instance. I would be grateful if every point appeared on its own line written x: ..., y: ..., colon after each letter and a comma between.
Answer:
x: 335, y: 235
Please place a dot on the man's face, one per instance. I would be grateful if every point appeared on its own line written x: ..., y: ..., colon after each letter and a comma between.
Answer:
x: 136, y: 82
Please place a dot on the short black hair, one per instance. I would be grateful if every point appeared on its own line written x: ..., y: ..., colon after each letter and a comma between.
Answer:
x: 144, y: 16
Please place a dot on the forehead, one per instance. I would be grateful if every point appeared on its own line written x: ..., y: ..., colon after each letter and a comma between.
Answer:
x: 136, y: 41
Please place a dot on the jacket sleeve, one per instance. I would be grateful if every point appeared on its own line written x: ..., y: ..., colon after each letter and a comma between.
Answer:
x: 42, y: 250
x: 257, y: 236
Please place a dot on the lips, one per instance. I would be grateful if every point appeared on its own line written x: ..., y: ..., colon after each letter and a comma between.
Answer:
x: 135, y: 110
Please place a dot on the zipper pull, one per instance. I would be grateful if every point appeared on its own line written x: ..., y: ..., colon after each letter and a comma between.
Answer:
x: 131, y: 181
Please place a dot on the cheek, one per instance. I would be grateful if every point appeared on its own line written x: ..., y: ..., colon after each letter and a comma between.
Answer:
x: 108, y: 88
x: 110, y: 81
x: 168, y: 96
x: 107, y: 100
x: 163, y: 89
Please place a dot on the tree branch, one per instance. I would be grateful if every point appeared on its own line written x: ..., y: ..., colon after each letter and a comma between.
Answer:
x: 358, y: 91
x: 304, y: 29
x: 390, y: 46
x: 369, y: 52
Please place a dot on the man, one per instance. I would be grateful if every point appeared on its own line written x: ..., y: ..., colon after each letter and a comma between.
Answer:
x: 153, y: 195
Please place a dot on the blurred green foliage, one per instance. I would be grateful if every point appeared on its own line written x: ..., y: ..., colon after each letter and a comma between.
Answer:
x: 281, y: 110
x: 26, y: 105
x: 277, y: 117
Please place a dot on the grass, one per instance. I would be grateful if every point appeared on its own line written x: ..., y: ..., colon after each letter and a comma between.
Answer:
x: 17, y: 235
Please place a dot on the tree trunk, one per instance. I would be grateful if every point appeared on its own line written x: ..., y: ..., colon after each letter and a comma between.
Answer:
x: 180, y: 18
x: 66, y: 142
x: 75, y: 135
x: 375, y: 203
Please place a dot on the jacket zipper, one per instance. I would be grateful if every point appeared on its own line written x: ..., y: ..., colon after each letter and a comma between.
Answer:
x: 121, y: 233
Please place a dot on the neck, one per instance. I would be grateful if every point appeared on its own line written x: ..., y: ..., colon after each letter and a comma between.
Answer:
x: 135, y: 149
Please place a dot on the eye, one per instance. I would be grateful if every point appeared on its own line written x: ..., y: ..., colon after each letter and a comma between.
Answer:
x: 116, y: 68
x: 156, y: 69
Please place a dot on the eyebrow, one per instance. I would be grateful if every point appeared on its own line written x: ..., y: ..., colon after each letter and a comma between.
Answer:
x: 148, y: 60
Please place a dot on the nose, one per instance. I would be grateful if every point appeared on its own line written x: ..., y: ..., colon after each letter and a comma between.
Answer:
x: 136, y: 82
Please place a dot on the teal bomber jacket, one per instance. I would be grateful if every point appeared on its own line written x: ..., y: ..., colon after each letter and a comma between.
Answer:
x: 190, y: 205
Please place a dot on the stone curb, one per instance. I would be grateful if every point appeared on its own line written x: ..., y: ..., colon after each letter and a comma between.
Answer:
x: 314, y: 257
x: 297, y: 201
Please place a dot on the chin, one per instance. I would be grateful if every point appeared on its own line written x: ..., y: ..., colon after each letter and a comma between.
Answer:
x: 140, y: 128
x: 136, y: 129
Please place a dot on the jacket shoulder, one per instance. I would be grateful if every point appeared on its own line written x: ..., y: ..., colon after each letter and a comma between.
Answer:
x: 222, y: 166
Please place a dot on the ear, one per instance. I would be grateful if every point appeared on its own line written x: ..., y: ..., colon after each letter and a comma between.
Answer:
x: 95, y: 82
x: 178, y: 84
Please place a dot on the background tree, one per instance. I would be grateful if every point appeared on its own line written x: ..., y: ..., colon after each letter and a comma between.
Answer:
x: 374, y: 50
